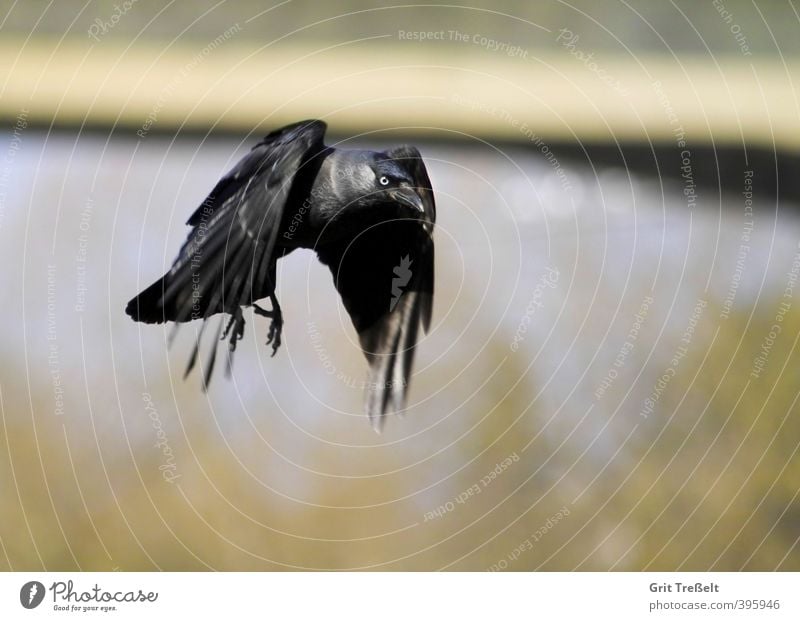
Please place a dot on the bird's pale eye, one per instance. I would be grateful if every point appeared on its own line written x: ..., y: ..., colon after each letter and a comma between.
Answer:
x: 384, y: 180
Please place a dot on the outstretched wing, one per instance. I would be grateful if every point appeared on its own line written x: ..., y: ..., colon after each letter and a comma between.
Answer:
x: 385, y: 276
x: 228, y: 260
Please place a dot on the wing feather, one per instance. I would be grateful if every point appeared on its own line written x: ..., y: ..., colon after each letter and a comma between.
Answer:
x: 390, y: 259
x: 228, y: 258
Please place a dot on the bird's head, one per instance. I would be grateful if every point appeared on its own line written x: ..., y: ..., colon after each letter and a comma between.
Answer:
x: 395, y: 181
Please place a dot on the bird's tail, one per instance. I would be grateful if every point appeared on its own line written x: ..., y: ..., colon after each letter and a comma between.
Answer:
x: 152, y: 306
x: 182, y: 294
x: 211, y: 275
x: 206, y: 279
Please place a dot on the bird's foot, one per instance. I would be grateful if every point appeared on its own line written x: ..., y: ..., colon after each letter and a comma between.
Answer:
x: 275, y: 326
x: 235, y: 328
x: 236, y: 322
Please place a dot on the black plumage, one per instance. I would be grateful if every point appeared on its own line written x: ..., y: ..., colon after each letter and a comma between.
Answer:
x: 369, y: 215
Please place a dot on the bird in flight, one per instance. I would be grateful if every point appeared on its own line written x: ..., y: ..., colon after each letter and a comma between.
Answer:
x: 369, y: 216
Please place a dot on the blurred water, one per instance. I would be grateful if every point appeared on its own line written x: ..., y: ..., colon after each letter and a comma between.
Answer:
x: 538, y: 290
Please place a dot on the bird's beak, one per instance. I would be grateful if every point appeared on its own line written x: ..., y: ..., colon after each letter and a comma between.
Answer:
x: 408, y: 197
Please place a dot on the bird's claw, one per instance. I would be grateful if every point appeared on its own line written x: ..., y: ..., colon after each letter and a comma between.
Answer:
x: 275, y: 326
x: 235, y: 328
x: 274, y: 334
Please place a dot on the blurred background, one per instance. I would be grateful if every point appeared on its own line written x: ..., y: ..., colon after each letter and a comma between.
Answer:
x: 612, y: 376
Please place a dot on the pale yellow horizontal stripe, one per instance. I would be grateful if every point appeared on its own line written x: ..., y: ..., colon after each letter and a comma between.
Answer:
x: 374, y: 85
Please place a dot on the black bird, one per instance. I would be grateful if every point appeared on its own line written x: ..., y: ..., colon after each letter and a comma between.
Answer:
x: 369, y: 215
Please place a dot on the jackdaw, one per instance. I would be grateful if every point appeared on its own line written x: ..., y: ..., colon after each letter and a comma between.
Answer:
x: 369, y: 215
